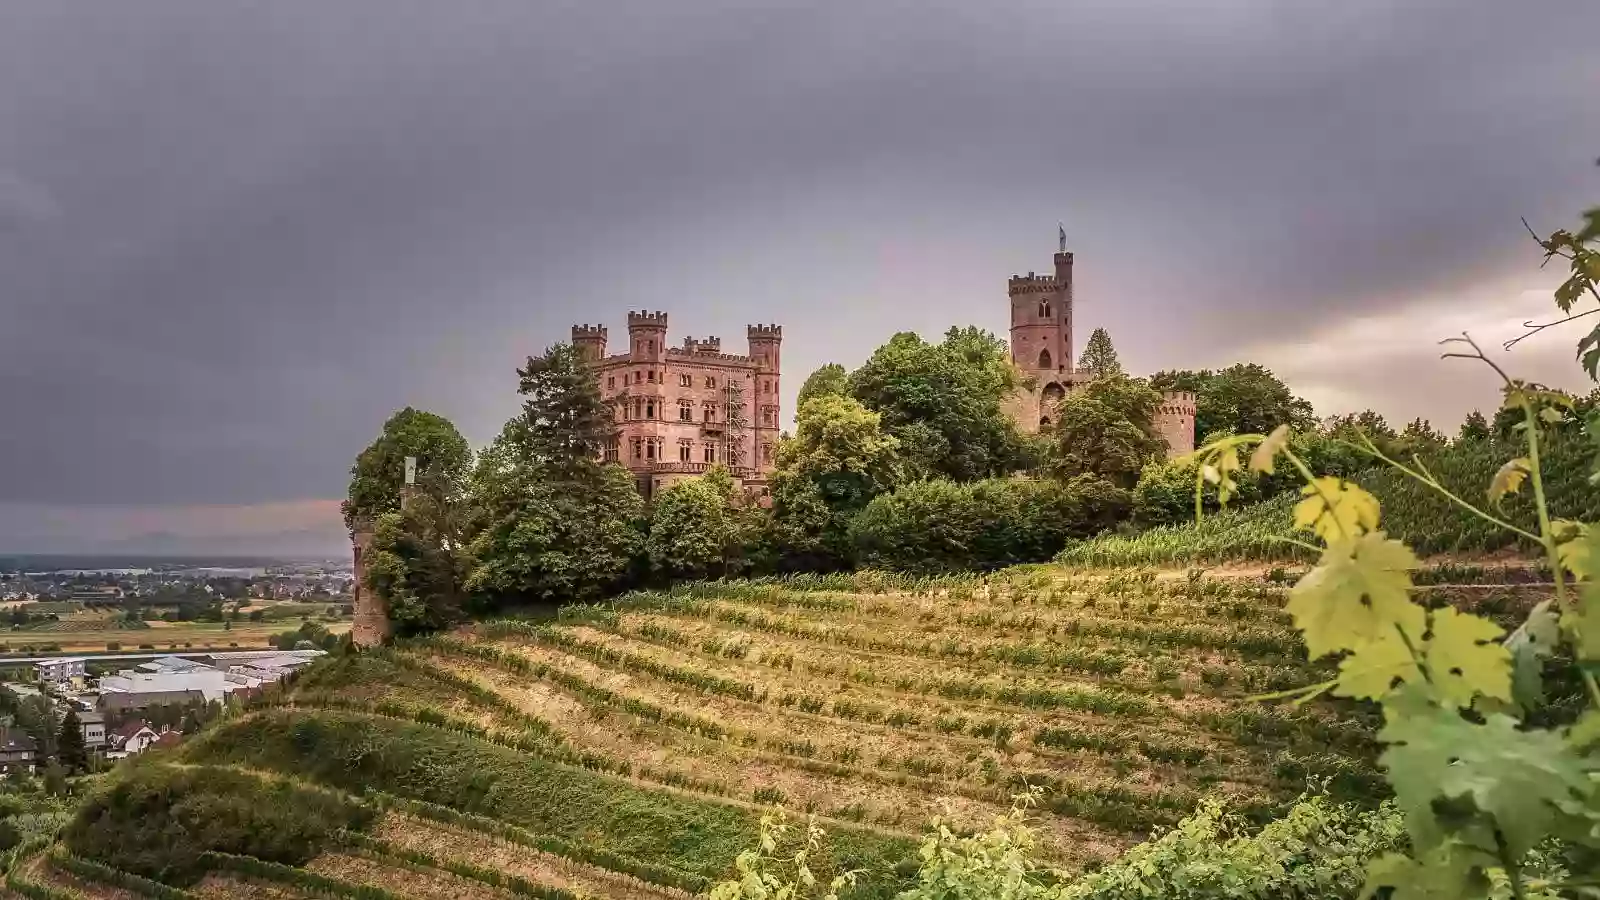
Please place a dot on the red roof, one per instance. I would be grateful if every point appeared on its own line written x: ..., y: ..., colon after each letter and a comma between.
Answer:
x: 169, y: 739
x: 129, y: 729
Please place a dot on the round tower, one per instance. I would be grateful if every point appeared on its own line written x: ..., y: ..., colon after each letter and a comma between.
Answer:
x: 590, y: 341
x: 1174, y: 421
x: 371, y: 626
x: 647, y: 335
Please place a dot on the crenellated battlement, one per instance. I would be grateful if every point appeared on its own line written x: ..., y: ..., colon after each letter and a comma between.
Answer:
x: 1177, y: 403
x: 646, y: 319
x: 711, y: 344
x: 1032, y: 284
x: 592, y: 332
x: 701, y: 356
x: 764, y: 332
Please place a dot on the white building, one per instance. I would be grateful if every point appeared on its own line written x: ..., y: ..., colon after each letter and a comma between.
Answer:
x: 67, y: 670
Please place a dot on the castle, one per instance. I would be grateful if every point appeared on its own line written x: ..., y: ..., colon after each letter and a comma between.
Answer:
x: 682, y: 410
x: 1041, y: 347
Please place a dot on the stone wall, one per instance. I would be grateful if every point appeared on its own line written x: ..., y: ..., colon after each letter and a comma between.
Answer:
x: 371, y: 626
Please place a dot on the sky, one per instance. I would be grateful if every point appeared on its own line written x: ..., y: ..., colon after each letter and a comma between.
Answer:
x: 236, y: 236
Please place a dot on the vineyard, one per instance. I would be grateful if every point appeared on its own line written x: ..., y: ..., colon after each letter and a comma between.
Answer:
x: 628, y: 750
x: 1423, y: 518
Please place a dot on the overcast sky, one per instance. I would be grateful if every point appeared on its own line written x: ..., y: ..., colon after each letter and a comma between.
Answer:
x: 234, y: 236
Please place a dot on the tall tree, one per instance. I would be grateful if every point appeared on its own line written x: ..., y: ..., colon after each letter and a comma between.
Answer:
x: 840, y: 447
x: 1099, y: 357
x: 1244, y: 398
x: 943, y: 403
x: 37, y: 716
x: 70, y: 749
x: 831, y: 378
x: 553, y: 522
x: 378, y: 475
x: 1475, y: 428
x: 1106, y: 430
x: 691, y: 529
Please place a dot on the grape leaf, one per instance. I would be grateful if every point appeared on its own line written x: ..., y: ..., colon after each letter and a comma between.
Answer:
x: 1266, y: 452
x: 1357, y: 593
x: 1524, y: 780
x: 1585, y: 733
x: 1220, y: 473
x: 1581, y: 554
x: 1334, y: 509
x: 1370, y: 672
x: 1449, y: 871
x: 1464, y: 660
x: 1508, y: 480
x: 1530, y: 645
x: 1583, y: 621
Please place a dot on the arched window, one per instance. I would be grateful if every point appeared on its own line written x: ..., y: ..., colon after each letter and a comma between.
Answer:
x: 1053, y: 392
x: 1044, y: 309
x: 1044, y: 359
x: 1044, y: 422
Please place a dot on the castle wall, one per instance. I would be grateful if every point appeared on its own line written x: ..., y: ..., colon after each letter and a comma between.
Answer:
x: 371, y: 627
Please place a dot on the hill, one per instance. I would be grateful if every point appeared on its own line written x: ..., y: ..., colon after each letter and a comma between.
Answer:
x: 629, y: 750
x: 1426, y: 520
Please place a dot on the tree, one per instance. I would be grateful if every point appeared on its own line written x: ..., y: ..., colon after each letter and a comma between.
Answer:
x: 840, y: 447
x: 1099, y: 357
x: 551, y: 521
x: 1106, y: 430
x: 419, y: 566
x: 1418, y: 437
x: 1475, y: 428
x: 378, y: 476
x: 943, y: 403
x: 37, y: 716
x: 69, y: 744
x: 1244, y: 398
x: 830, y: 379
x: 691, y: 529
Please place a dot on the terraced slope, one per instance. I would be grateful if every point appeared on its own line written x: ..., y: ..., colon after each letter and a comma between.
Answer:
x: 628, y: 751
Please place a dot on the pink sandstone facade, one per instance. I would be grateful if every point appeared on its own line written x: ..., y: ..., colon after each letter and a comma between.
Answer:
x: 1041, y: 347
x: 678, y: 408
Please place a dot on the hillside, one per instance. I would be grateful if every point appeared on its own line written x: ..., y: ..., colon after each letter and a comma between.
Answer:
x: 1427, y: 521
x: 628, y: 750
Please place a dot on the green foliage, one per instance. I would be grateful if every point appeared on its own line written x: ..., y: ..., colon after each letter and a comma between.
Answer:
x: 943, y: 403
x: 1583, y: 258
x: 552, y: 528
x: 1474, y: 428
x: 997, y: 864
x: 419, y: 566
x: 763, y: 874
x: 69, y: 744
x: 1105, y: 430
x: 831, y: 380
x: 1244, y: 398
x: 692, y: 530
x: 158, y: 821
x: 934, y: 526
x: 840, y: 447
x: 378, y: 475
x: 1099, y: 358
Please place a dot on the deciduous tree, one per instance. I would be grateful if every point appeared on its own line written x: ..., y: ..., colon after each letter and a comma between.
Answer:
x: 1106, y: 430
x: 1244, y: 398
x: 831, y: 378
x: 376, y: 479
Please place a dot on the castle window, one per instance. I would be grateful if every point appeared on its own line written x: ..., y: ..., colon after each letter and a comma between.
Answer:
x: 638, y: 408
x: 685, y: 411
x: 650, y: 450
x: 651, y: 375
x: 650, y: 409
x: 611, y: 382
x: 1044, y: 309
x: 683, y: 452
x: 636, y: 448
x: 1044, y: 359
x: 766, y: 453
x: 711, y: 453
x: 711, y: 382
x: 685, y: 381
x: 652, y: 346
x: 711, y: 412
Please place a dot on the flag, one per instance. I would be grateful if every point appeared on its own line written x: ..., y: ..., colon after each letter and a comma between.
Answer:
x: 1063, y: 229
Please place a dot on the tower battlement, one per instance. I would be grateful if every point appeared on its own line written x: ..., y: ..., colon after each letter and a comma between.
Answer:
x: 646, y: 319
x: 592, y: 332
x: 767, y: 332
x: 711, y: 344
x: 1032, y: 284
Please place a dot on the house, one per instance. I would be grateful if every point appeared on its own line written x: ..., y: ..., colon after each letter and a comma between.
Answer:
x: 94, y: 730
x: 17, y: 749
x: 133, y: 737
x: 121, y: 701
x: 63, y: 672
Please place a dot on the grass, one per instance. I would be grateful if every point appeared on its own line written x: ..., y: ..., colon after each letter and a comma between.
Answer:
x: 69, y: 637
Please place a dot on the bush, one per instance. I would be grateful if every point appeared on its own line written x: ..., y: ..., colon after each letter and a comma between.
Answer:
x: 158, y: 821
x: 936, y: 526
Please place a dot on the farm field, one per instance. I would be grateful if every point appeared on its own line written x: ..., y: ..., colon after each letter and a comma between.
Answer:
x: 71, y: 635
x: 628, y: 750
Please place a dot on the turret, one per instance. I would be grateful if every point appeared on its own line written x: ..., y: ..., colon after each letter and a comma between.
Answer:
x: 1041, y: 319
x: 765, y: 342
x: 1174, y: 421
x: 590, y: 341
x: 711, y: 345
x: 647, y: 335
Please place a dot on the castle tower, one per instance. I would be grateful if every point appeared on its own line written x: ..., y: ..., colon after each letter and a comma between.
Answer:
x: 371, y: 627
x: 647, y: 336
x: 766, y: 344
x: 1041, y: 321
x: 1174, y: 421
x: 590, y: 341
x: 765, y: 341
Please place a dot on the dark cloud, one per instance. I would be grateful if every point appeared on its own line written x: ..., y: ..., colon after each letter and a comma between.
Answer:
x: 234, y: 236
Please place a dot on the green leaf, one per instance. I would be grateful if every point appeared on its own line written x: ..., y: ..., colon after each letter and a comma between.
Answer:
x: 1449, y: 871
x: 1583, y: 622
x: 1464, y: 660
x: 1264, y: 457
x: 1371, y: 671
x: 1581, y: 554
x: 1509, y: 479
x: 1335, y: 509
x: 1585, y: 733
x: 1530, y: 645
x: 1524, y: 780
x: 1358, y: 593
